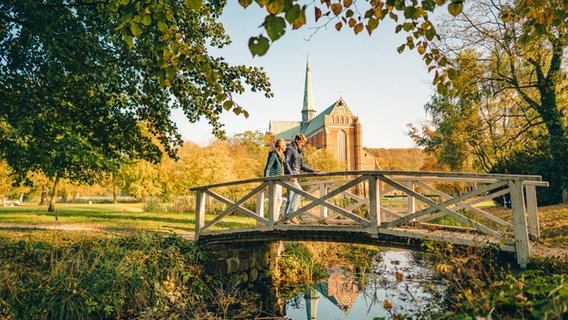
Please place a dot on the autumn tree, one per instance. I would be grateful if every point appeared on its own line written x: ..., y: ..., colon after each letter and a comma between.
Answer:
x: 256, y: 145
x: 321, y: 159
x: 510, y: 102
x: 85, y: 85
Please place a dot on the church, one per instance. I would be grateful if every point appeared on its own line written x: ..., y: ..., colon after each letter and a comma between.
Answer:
x: 335, y: 129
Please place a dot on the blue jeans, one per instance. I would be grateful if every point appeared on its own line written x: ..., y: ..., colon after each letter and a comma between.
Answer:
x: 292, y: 199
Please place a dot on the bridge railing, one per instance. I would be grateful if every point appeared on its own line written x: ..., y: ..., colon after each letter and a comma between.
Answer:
x: 381, y: 202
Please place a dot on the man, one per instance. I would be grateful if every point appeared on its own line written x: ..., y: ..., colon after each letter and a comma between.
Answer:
x: 294, y: 164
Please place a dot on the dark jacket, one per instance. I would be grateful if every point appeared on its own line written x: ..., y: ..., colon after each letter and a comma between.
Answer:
x: 294, y: 161
x: 274, y: 165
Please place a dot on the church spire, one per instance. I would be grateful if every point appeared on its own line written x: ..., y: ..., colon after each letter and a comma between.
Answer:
x: 308, y: 110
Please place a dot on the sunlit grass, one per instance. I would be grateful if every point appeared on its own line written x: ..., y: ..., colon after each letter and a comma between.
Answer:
x: 118, y: 217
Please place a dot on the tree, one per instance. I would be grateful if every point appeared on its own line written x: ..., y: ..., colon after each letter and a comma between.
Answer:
x: 86, y: 85
x: 519, y: 80
x: 321, y: 159
x: 256, y: 144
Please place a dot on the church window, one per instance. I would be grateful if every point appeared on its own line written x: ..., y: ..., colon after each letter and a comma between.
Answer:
x: 341, y: 146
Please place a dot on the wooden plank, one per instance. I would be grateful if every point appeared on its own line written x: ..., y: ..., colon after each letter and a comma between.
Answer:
x: 448, y: 236
x: 410, y: 201
x: 199, y: 213
x: 374, y: 205
x: 272, y: 210
x: 233, y: 231
x: 532, y: 211
x: 323, y: 191
x: 519, y: 223
x: 393, y: 174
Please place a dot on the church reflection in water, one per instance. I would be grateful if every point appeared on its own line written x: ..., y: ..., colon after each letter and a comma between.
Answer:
x: 396, y: 285
x: 339, y: 289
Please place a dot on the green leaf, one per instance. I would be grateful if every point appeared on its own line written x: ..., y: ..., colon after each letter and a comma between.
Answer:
x: 428, y: 5
x: 146, y: 20
x: 455, y: 8
x: 442, y: 89
x: 193, y: 4
x: 301, y: 20
x: 401, y: 48
x: 275, y: 6
x: 373, y: 23
x: 409, y: 12
x: 275, y: 27
x: 407, y: 26
x: 135, y: 29
x: 258, y: 46
x: 430, y: 34
x: 227, y: 105
x: 129, y: 41
x: 163, y: 27
x: 113, y: 6
x: 294, y: 12
x: 393, y: 16
x: 245, y: 3
x: 124, y: 2
x: 452, y: 74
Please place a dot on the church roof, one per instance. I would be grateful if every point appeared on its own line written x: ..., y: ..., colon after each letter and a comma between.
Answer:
x: 286, y: 130
x: 318, y: 121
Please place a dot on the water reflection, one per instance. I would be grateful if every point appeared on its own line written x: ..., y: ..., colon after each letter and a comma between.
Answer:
x: 396, y: 286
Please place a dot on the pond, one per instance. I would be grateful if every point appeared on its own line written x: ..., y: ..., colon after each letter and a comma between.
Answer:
x: 395, y: 285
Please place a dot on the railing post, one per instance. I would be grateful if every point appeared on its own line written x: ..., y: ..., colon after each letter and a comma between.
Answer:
x: 410, y: 200
x: 519, y: 222
x: 532, y: 210
x: 260, y: 205
x: 272, y: 210
x: 323, y: 192
x: 199, y: 212
x: 374, y: 205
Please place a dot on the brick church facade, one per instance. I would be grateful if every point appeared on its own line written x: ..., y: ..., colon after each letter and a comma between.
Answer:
x: 335, y: 129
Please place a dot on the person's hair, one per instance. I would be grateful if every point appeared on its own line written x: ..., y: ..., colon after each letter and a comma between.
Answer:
x: 300, y: 137
x: 279, y: 143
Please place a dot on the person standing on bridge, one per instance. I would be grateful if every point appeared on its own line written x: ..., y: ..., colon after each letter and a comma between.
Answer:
x: 294, y: 164
x: 275, y: 167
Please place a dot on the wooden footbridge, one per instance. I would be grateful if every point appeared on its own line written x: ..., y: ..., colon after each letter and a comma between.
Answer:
x: 388, y: 208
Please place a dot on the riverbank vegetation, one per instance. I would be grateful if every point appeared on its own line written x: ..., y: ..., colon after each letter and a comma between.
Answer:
x: 143, y: 267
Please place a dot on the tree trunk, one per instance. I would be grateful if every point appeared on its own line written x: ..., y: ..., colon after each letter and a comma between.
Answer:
x: 53, y: 195
x: 553, y: 119
x: 114, y: 193
x: 43, y: 196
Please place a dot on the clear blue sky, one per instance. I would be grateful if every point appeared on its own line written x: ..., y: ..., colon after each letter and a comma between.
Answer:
x: 385, y: 89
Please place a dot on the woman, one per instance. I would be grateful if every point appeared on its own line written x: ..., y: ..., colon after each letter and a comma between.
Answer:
x: 275, y: 167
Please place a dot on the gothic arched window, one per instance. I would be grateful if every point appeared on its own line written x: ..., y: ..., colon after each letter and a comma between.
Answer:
x: 342, y: 146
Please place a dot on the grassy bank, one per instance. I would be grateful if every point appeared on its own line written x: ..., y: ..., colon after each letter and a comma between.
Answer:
x: 135, y: 273
x: 109, y: 217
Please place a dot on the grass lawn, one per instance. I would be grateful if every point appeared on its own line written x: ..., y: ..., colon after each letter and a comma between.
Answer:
x: 119, y: 217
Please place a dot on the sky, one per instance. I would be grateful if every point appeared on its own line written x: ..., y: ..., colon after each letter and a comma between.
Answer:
x: 387, y: 90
